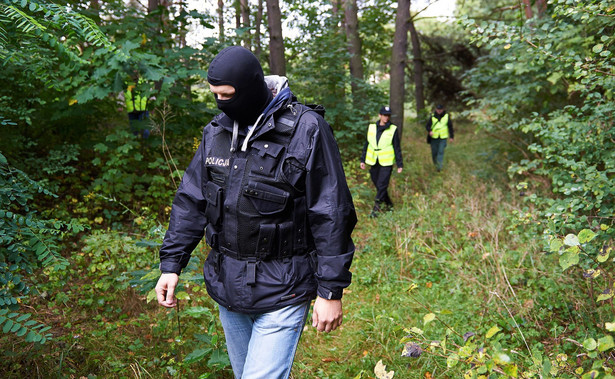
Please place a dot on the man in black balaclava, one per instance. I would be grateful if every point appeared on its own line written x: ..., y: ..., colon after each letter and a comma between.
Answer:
x: 239, y: 68
x: 275, y: 209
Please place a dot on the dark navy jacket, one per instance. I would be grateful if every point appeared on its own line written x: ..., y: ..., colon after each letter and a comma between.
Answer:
x: 278, y: 216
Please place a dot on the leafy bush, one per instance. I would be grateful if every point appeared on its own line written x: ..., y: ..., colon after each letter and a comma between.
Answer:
x: 28, y: 243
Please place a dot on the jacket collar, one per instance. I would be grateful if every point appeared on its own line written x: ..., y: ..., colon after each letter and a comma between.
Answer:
x: 265, y: 124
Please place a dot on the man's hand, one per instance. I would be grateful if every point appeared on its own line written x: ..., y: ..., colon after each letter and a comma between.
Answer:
x: 327, y: 314
x: 165, y: 290
x: 431, y: 133
x: 399, y: 170
x: 452, y: 140
x: 362, y: 165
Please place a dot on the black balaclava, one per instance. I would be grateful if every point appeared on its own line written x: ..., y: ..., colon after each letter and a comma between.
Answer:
x: 238, y: 67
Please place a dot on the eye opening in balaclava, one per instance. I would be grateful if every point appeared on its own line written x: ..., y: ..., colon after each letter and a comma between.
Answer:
x: 238, y: 67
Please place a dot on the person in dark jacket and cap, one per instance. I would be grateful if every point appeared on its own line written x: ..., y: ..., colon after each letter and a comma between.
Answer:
x: 439, y: 129
x: 267, y: 189
x: 382, y: 148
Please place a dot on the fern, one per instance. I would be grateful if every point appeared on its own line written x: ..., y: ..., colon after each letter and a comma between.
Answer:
x: 48, y: 22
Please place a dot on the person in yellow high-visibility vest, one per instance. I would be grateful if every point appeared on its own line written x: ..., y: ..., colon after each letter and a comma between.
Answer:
x: 439, y: 130
x: 382, y: 148
x: 136, y: 106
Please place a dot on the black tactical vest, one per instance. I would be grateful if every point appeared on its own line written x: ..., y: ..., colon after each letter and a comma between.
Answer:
x: 253, y: 211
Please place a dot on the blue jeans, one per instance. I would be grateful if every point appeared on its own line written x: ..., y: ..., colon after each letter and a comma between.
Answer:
x: 437, y: 151
x: 263, y: 345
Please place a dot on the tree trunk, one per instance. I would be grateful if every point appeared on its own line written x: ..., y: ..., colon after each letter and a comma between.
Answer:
x: 257, y: 30
x: 277, y: 63
x: 152, y: 5
x: 354, y: 49
x: 527, y: 5
x: 237, y: 7
x: 221, y: 20
x: 417, y: 60
x: 182, y: 26
x: 335, y: 7
x: 245, y: 18
x: 398, y: 63
x: 542, y: 7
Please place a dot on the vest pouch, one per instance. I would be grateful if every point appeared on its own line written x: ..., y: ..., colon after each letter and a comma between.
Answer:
x: 266, y: 237
x: 213, y: 196
x: 265, y: 158
x: 266, y: 199
x: 285, y: 239
x: 211, y: 237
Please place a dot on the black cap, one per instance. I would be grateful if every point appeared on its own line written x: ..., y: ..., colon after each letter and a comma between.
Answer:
x: 385, y: 111
x: 439, y: 106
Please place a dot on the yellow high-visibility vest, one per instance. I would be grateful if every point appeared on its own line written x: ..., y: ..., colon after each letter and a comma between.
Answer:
x: 439, y: 127
x: 135, y: 102
x: 381, y: 151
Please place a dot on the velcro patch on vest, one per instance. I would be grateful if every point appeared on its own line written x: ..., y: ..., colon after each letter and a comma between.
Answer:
x: 286, y: 121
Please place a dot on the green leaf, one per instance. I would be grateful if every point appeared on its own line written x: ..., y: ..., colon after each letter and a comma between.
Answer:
x: 603, y: 254
x: 590, y: 344
x: 546, y: 368
x: 22, y: 331
x: 605, y: 343
x: 31, y: 336
x: 598, y: 48
x: 586, y: 235
x: 416, y: 330
x: 7, y: 326
x: 610, y: 326
x: 571, y: 240
x: 197, y: 355
x: 452, y: 360
x: 492, y: 332
x: 151, y: 295
x: 510, y: 370
x: 554, y: 77
x: 198, y: 311
x: 555, y: 245
x: 182, y: 295
x: 429, y: 317
x: 568, y: 259
x: 606, y: 295
x: 219, y: 357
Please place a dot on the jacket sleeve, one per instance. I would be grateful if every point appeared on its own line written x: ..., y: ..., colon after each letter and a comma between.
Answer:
x: 330, y: 211
x: 397, y: 147
x: 187, y: 221
x: 451, y: 131
x: 428, y: 124
x: 364, y: 152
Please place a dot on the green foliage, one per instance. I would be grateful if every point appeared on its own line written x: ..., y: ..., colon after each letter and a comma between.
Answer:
x: 547, y: 86
x: 550, y: 81
x: 27, y: 244
x: 124, y: 178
